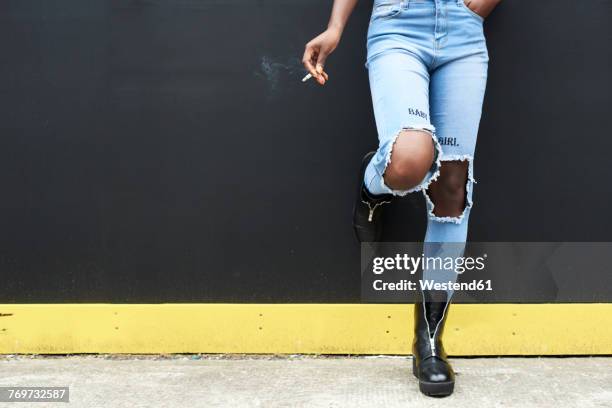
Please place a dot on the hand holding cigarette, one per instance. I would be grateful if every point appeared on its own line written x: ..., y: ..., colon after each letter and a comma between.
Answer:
x: 309, y: 75
x: 317, y: 51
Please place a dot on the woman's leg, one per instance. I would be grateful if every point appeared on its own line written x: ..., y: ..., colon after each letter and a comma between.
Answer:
x: 406, y: 159
x: 456, y: 95
x: 457, y: 86
x: 399, y: 84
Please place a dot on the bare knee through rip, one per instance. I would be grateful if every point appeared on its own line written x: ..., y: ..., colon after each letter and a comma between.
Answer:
x: 411, y: 158
x: 448, y: 192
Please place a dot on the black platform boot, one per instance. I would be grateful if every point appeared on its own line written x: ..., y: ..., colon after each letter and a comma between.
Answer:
x: 429, y: 363
x: 367, y: 221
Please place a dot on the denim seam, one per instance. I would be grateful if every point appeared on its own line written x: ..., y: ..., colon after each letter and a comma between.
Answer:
x: 470, y: 11
x: 394, y: 12
x: 384, y: 52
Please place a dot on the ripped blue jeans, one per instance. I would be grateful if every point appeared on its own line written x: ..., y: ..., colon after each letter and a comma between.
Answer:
x: 427, y: 62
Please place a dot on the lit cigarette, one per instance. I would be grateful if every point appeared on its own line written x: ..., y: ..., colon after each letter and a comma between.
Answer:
x: 307, y: 77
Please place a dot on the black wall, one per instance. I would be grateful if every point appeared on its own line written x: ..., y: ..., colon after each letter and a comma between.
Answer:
x: 166, y: 150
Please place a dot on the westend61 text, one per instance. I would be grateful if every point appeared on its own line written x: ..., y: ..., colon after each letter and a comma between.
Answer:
x: 406, y: 285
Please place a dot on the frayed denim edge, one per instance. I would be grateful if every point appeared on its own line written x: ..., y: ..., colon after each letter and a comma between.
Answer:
x: 428, y: 180
x: 468, y: 191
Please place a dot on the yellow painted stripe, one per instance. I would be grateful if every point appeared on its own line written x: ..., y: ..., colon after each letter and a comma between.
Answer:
x: 495, y: 329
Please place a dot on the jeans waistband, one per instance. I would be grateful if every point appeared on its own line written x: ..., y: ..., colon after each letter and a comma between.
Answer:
x: 407, y: 2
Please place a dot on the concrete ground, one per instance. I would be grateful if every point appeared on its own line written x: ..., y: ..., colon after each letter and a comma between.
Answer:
x: 299, y: 381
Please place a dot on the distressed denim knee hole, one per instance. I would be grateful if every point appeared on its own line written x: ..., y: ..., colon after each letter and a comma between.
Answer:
x: 468, y: 192
x: 385, y: 158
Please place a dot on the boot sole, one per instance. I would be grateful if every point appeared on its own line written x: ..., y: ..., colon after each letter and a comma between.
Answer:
x: 433, y: 389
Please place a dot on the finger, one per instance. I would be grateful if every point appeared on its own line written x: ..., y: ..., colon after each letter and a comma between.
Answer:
x: 322, y: 74
x: 321, y: 58
x: 310, y: 67
x: 325, y: 76
x: 307, y: 60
